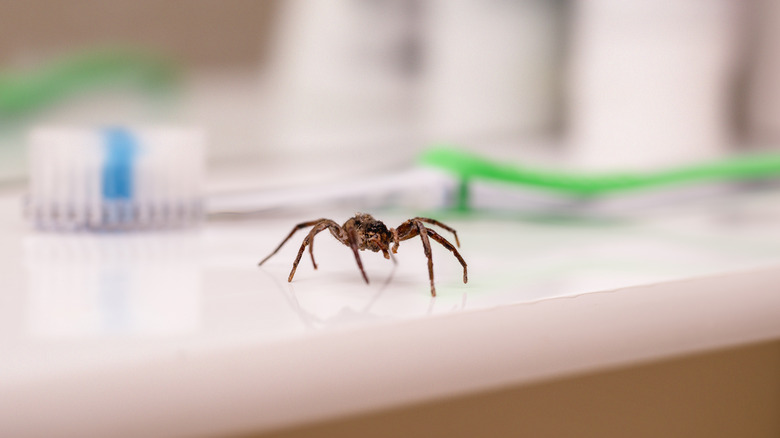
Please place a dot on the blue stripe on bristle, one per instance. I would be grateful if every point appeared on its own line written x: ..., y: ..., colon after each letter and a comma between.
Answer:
x: 120, y: 148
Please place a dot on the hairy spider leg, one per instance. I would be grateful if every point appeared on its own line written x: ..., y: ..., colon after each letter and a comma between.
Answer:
x: 295, y: 228
x: 413, y: 228
x: 396, y: 242
x: 319, y: 226
x: 335, y: 229
x: 428, y: 253
x: 445, y: 243
x: 353, y: 243
x: 439, y: 224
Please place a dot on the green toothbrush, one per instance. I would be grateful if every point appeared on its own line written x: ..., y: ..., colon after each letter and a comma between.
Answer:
x: 468, y: 166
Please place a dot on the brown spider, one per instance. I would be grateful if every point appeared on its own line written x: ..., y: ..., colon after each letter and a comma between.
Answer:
x: 364, y: 232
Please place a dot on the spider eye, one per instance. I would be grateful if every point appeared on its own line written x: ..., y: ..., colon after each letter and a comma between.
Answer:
x: 377, y: 228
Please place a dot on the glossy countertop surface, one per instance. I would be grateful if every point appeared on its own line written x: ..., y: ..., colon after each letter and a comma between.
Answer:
x: 78, y: 308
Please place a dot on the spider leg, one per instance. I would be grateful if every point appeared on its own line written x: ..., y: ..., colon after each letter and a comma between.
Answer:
x: 445, y: 243
x: 394, y: 249
x: 439, y: 224
x: 333, y: 226
x: 422, y: 232
x: 311, y: 253
x: 295, y: 228
x: 352, y: 239
x: 321, y: 225
x: 405, y: 231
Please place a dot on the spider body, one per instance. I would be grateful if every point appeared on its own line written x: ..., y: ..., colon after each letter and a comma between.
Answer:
x: 363, y: 232
x: 371, y: 234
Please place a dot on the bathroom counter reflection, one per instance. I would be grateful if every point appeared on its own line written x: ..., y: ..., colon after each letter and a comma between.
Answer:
x: 205, y: 284
x: 85, y: 302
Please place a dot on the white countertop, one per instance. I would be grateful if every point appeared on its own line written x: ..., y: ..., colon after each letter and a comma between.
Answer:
x: 181, y: 334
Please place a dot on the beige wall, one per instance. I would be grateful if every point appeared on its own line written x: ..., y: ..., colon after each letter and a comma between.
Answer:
x: 200, y: 33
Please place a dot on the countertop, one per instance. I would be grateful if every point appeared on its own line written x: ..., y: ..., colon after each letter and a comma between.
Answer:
x: 182, y: 334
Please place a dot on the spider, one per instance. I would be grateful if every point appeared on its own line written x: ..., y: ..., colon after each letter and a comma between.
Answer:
x: 363, y: 232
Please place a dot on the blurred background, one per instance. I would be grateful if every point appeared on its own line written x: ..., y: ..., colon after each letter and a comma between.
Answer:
x: 305, y: 101
x: 296, y: 91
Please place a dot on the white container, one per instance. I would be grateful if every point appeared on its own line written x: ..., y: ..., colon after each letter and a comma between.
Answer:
x: 491, y: 69
x: 341, y: 83
x: 652, y: 81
